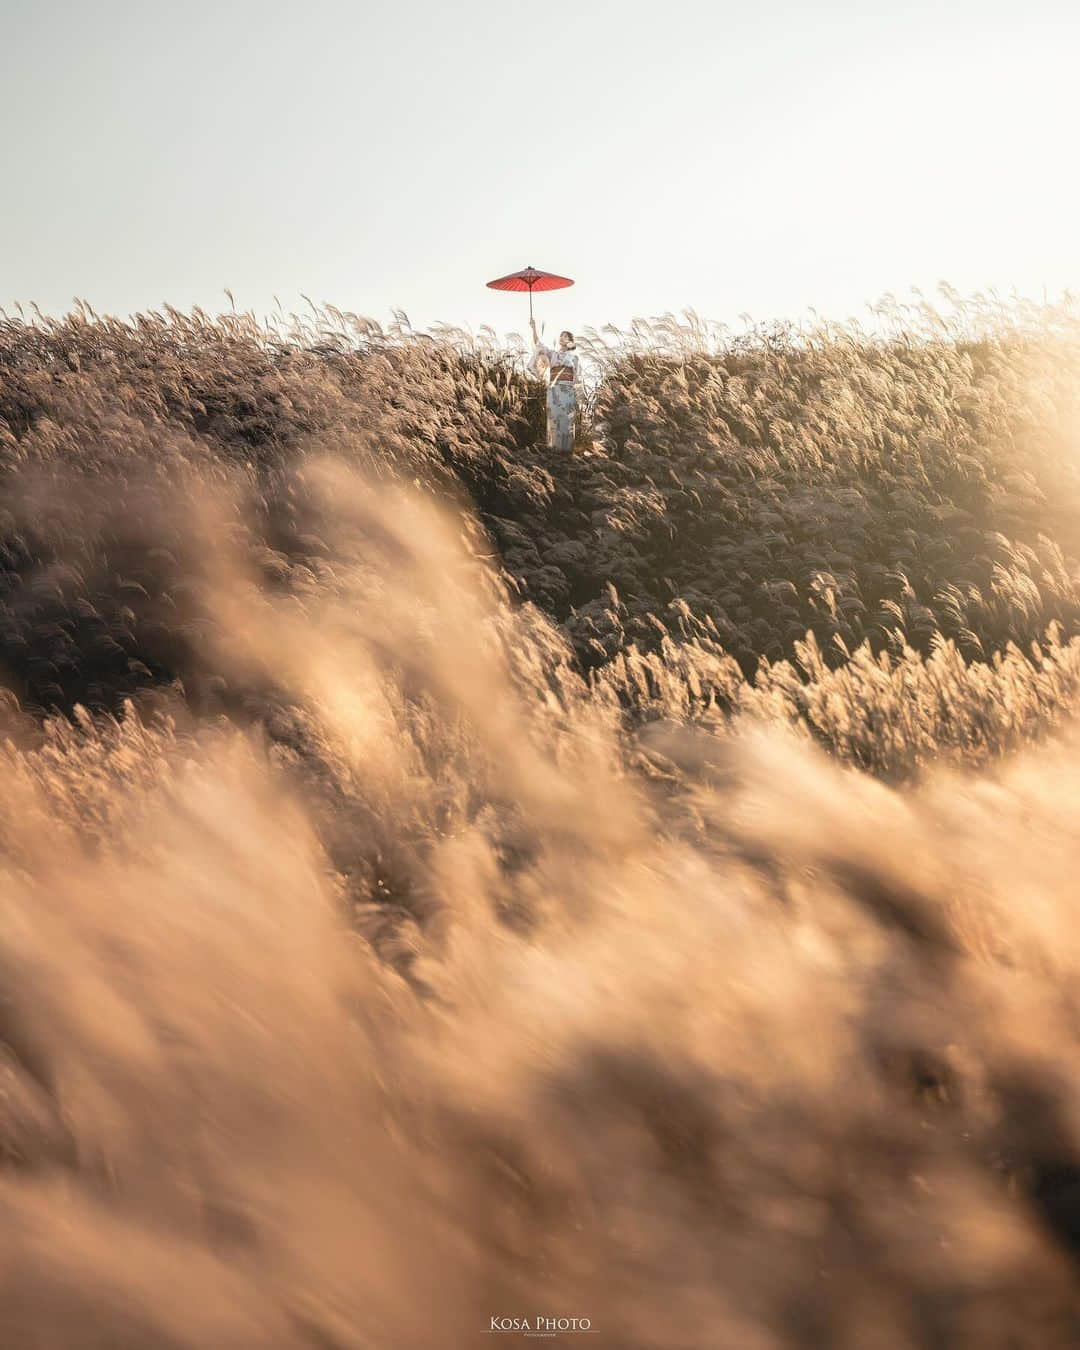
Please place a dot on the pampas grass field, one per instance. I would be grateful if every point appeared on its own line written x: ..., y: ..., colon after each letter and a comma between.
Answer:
x: 442, y: 879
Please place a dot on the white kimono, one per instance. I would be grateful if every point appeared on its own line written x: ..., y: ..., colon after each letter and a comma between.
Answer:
x: 561, y: 394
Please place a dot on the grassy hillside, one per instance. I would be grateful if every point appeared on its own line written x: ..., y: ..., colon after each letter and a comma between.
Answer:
x: 910, y: 495
x: 444, y: 880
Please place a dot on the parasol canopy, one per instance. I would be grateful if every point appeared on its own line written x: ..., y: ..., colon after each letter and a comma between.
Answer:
x: 530, y: 279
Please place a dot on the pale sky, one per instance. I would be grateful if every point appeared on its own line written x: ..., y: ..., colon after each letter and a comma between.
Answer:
x: 765, y: 156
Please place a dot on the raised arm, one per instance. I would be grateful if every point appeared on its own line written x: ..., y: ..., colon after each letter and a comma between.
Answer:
x: 541, y: 353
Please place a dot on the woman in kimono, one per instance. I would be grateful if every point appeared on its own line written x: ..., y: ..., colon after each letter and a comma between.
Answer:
x: 562, y: 369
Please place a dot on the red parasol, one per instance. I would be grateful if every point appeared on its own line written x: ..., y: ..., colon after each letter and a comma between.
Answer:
x: 530, y: 279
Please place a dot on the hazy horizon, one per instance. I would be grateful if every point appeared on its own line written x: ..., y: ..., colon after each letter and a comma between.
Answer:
x: 401, y: 156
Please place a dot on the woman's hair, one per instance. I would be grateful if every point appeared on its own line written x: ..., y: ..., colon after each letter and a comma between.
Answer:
x: 566, y: 333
